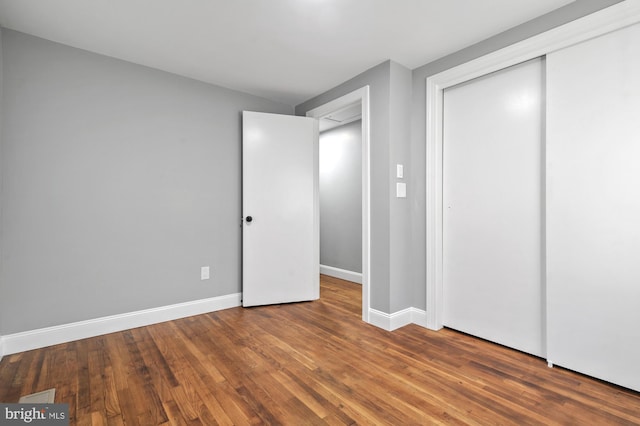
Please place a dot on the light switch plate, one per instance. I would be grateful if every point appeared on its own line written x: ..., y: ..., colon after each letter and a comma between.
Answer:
x: 401, y: 190
x: 204, y: 273
x: 399, y: 171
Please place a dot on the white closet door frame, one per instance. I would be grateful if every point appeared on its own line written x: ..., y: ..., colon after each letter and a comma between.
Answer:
x: 607, y: 20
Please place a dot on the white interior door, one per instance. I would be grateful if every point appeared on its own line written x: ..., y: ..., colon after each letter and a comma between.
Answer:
x: 593, y: 232
x: 492, y: 218
x: 280, y: 254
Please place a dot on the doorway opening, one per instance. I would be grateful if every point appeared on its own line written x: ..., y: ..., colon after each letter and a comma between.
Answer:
x: 340, y: 119
x: 340, y: 190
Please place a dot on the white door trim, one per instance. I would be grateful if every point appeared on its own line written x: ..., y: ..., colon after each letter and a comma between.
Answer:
x: 610, y: 19
x: 362, y: 96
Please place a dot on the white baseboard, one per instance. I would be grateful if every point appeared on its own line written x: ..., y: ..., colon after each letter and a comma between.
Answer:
x: 343, y: 274
x: 1, y: 347
x: 419, y: 317
x: 398, y: 319
x: 40, y: 338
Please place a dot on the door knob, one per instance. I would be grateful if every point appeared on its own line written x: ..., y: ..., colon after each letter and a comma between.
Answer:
x: 249, y: 219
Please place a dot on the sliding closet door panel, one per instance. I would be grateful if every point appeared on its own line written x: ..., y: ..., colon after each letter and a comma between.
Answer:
x: 492, y: 219
x: 593, y: 219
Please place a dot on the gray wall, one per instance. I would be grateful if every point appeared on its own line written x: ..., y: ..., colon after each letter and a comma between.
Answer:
x: 341, y: 197
x: 417, y: 173
x: 120, y: 182
x: 400, y: 226
x: 389, y: 86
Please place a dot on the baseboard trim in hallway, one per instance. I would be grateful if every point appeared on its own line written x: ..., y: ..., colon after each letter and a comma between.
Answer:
x: 343, y: 274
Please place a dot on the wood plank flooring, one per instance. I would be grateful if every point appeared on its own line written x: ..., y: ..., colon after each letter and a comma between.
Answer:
x: 310, y: 363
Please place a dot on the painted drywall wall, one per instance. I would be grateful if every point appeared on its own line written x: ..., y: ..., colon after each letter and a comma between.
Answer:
x: 389, y: 86
x: 417, y: 171
x: 400, y: 226
x: 120, y: 182
x: 341, y: 197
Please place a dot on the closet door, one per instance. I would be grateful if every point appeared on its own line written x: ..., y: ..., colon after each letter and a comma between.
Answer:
x: 492, y: 219
x: 593, y: 219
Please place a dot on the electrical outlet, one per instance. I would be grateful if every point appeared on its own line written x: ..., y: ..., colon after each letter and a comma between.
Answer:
x: 204, y: 273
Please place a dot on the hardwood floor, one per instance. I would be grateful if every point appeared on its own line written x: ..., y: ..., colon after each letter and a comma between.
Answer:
x: 307, y: 363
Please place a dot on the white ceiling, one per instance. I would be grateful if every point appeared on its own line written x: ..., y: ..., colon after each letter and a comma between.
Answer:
x: 286, y: 50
